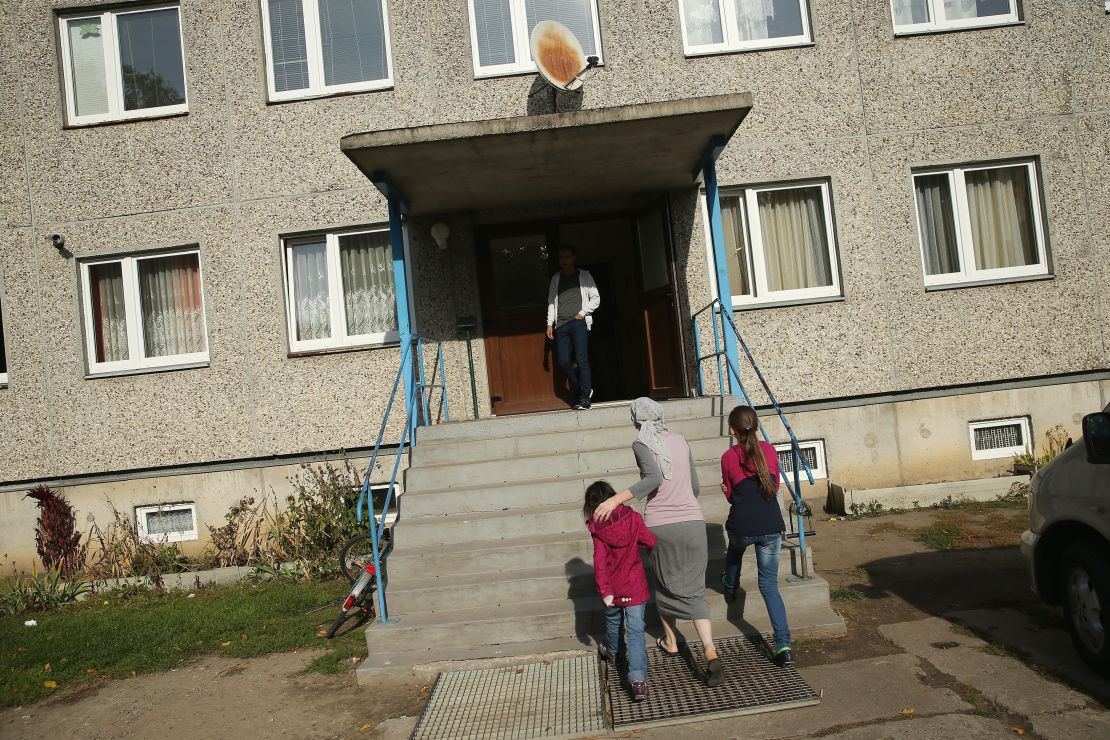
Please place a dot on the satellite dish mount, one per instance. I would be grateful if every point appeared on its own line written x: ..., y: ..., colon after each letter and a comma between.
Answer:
x: 559, y: 56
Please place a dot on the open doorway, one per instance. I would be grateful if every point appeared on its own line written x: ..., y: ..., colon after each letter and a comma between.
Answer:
x: 636, y: 340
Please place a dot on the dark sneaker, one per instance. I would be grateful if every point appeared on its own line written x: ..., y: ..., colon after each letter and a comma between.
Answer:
x: 639, y: 690
x: 714, y: 673
x: 605, y: 653
x: 584, y: 404
x: 730, y: 594
x: 784, y: 658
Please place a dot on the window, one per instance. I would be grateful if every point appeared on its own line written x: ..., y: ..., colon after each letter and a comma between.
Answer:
x: 167, y: 522
x: 917, y: 16
x: 979, y: 223
x: 999, y: 438
x: 339, y: 290
x: 781, y: 244
x: 714, y: 26
x: 123, y: 64
x: 500, y: 31
x: 3, y: 352
x: 814, y: 453
x: 323, y: 47
x: 144, y: 312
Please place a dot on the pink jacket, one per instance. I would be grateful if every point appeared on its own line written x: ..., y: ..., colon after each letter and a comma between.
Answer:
x: 618, y: 569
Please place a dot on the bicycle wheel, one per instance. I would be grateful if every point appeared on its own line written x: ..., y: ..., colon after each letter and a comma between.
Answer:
x: 356, y: 553
x: 340, y: 620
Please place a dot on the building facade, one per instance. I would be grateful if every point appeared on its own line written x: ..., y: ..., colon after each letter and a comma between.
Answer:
x: 196, y: 285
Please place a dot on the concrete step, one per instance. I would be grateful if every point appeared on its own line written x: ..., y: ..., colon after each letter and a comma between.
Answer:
x: 489, y: 497
x: 456, y: 451
x: 516, y: 628
x: 548, y: 422
x: 574, y: 578
x: 584, y: 464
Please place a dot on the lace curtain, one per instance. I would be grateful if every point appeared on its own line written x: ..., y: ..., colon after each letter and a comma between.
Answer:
x: 795, y: 243
x: 310, y: 291
x: 703, y: 22
x: 366, y: 266
x: 908, y: 12
x: 109, y: 312
x: 753, y: 18
x: 937, y: 222
x: 171, y: 305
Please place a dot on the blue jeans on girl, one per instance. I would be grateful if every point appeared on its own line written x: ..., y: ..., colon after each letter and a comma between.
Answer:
x: 636, y: 649
x: 767, y: 548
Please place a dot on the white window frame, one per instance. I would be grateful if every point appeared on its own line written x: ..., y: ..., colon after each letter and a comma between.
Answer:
x: 112, y: 71
x: 820, y: 470
x: 335, y: 297
x: 315, y: 53
x: 1001, y: 452
x: 185, y: 536
x: 137, y: 361
x: 730, y: 34
x: 938, y: 22
x: 757, y: 266
x: 969, y: 271
x: 522, y: 49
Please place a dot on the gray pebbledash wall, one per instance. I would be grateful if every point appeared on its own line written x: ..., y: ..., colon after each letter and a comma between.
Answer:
x: 859, y: 107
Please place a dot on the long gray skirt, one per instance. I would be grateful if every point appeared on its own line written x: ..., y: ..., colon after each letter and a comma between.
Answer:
x: 679, y: 558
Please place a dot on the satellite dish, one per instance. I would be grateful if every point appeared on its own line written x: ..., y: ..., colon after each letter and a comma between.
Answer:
x: 559, y: 56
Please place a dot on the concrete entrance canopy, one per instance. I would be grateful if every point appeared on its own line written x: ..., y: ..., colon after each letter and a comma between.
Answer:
x: 551, y: 158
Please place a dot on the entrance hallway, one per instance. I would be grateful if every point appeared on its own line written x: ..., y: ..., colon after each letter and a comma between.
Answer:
x: 491, y: 555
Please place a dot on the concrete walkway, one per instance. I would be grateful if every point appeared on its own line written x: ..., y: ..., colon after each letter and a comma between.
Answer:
x: 946, y: 683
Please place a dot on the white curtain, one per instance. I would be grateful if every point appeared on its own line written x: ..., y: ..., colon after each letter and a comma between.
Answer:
x: 86, y: 56
x: 956, y: 9
x: 703, y: 22
x: 753, y: 18
x: 493, y: 26
x: 352, y: 38
x: 907, y: 12
x: 577, y: 15
x: 937, y: 222
x: 312, y: 306
x: 1001, y: 217
x: 735, y: 243
x: 795, y: 243
x: 366, y: 262
x: 171, y: 304
x: 109, y: 312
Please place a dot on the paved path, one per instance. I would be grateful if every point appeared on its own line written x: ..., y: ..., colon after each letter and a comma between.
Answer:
x: 946, y: 683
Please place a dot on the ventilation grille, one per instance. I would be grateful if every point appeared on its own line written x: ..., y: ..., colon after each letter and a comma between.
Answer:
x: 786, y: 458
x: 1000, y: 437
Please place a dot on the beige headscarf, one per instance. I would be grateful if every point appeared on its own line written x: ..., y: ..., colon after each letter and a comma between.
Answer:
x: 649, y: 415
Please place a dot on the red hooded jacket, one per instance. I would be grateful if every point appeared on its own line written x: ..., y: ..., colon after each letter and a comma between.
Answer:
x: 618, y: 569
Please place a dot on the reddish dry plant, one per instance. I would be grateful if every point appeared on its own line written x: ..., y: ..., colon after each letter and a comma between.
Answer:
x: 56, y: 537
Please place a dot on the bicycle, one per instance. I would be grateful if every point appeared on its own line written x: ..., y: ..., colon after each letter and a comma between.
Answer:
x: 356, y: 563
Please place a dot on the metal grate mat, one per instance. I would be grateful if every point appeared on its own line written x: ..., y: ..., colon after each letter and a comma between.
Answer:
x: 677, y: 692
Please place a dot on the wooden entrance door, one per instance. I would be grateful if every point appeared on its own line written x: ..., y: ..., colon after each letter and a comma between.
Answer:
x: 666, y: 369
x: 515, y: 266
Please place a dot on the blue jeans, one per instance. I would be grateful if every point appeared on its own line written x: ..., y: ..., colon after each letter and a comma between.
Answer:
x: 573, y: 338
x: 633, y: 618
x: 767, y: 548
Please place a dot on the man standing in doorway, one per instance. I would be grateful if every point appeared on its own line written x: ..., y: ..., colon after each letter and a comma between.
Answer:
x: 572, y: 298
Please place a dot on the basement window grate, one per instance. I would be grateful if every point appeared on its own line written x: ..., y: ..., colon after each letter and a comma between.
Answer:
x: 812, y: 451
x: 998, y: 438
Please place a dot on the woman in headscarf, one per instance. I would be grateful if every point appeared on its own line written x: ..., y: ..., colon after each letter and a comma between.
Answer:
x: 669, y: 482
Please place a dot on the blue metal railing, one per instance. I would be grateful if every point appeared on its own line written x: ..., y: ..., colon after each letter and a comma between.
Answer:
x: 732, y: 366
x: 417, y: 392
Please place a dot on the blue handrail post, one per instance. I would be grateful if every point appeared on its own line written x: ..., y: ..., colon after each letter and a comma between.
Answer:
x: 720, y: 253
x: 424, y: 400
x: 717, y: 351
x: 443, y: 380
x: 796, y: 494
x: 697, y: 353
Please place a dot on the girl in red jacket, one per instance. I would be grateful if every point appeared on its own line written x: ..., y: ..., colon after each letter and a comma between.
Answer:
x: 621, y: 582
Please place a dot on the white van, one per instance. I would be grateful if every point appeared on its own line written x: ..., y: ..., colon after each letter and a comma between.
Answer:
x: 1067, y: 545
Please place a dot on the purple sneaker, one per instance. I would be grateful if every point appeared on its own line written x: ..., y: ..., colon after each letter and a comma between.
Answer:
x: 639, y: 690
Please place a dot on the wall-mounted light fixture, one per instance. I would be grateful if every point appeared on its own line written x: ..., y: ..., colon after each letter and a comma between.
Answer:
x: 440, y: 232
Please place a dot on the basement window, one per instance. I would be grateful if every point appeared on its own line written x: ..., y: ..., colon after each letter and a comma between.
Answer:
x: 167, y: 522
x: 813, y: 451
x: 999, y: 438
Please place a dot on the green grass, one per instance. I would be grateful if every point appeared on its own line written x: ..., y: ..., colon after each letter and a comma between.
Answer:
x: 846, y: 594
x: 157, y: 631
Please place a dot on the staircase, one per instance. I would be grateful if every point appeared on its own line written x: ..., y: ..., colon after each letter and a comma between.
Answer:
x: 492, y: 558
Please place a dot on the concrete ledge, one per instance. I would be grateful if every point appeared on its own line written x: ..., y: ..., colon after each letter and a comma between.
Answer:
x: 927, y: 494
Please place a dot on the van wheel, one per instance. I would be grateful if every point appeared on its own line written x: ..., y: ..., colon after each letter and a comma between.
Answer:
x: 1085, y: 585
